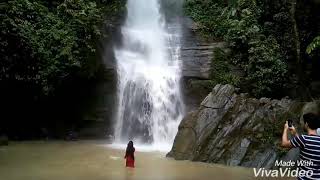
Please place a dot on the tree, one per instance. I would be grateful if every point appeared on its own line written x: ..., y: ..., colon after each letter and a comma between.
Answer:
x: 42, y: 47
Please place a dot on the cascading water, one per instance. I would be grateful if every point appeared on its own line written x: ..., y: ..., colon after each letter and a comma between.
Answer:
x: 150, y: 106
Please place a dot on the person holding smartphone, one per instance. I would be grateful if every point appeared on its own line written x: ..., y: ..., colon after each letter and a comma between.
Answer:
x: 308, y: 144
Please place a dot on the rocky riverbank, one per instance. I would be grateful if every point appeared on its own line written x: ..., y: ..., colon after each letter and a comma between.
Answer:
x: 237, y: 130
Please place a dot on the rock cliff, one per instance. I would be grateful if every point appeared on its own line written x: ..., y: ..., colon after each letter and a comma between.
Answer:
x: 196, y: 57
x: 196, y: 53
x: 234, y: 129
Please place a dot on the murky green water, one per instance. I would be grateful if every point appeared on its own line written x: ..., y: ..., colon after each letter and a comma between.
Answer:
x: 90, y: 160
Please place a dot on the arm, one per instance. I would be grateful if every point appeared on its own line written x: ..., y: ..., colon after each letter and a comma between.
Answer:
x: 285, y: 141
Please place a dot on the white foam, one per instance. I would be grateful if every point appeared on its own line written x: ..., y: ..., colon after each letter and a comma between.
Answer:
x: 114, y: 158
x: 163, y: 148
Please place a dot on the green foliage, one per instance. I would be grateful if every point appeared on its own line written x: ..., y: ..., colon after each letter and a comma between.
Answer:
x: 244, y: 27
x: 237, y: 22
x: 220, y: 71
x: 314, y: 45
x: 266, y: 71
x: 43, y: 46
x: 209, y: 15
x: 277, y: 22
x: 112, y: 9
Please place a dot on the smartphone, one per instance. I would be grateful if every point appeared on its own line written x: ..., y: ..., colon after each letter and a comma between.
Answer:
x: 290, y: 123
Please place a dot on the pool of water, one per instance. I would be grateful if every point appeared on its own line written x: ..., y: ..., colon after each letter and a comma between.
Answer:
x: 93, y: 160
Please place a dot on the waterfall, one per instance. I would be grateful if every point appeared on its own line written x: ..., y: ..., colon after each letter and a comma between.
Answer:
x: 150, y: 105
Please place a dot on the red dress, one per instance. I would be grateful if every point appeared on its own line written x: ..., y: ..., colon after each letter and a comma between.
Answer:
x: 130, y: 160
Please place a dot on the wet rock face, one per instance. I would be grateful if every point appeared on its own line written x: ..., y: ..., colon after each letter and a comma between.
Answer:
x: 196, y: 53
x: 196, y: 57
x: 234, y: 129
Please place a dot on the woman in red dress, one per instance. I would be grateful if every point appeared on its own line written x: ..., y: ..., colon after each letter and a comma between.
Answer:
x: 130, y: 155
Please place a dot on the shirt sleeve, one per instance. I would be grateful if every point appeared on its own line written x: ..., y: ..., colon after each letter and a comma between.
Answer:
x: 298, y: 141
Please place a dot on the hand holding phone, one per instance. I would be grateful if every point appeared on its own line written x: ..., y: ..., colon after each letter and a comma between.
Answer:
x: 290, y: 123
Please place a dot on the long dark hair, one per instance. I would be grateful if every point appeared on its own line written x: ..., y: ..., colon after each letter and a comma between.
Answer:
x: 130, y: 150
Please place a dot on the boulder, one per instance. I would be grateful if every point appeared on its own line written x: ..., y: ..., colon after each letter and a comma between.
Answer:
x: 235, y: 130
x: 183, y: 145
x: 310, y: 107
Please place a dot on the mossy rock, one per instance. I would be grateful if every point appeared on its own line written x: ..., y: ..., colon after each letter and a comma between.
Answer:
x: 311, y: 107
